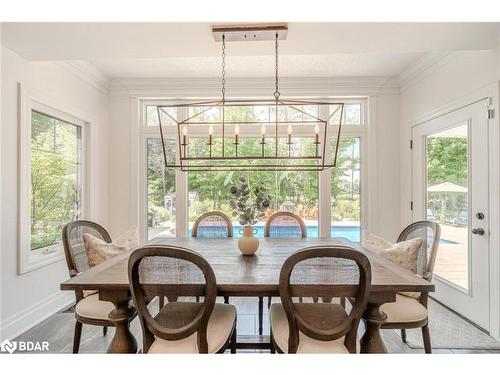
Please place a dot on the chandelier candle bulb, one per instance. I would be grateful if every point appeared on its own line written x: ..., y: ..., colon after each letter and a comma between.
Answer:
x: 289, y: 134
x: 184, y: 134
x: 236, y: 133
x: 316, y: 132
x: 210, y: 134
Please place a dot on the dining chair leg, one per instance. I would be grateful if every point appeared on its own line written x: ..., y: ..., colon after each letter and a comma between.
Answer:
x: 269, y: 299
x: 342, y: 302
x: 427, y: 339
x: 77, y: 337
x: 161, y: 302
x: 403, y: 335
x: 261, y: 313
x: 104, y: 330
x: 226, y: 300
x: 233, y: 341
x: 271, y: 339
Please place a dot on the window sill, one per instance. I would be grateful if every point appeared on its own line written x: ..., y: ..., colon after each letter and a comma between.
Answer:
x: 35, y: 259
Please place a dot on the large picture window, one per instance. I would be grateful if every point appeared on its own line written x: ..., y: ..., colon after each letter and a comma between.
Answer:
x: 295, y: 192
x: 346, y: 190
x: 291, y: 191
x: 55, y: 178
x: 161, y: 200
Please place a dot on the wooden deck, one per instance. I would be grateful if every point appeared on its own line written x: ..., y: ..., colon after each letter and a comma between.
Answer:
x: 452, y: 258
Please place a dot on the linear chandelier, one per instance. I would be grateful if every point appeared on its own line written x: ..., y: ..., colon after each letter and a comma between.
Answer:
x: 249, y: 135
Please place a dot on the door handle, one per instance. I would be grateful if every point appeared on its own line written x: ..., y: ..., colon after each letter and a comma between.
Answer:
x: 479, y: 231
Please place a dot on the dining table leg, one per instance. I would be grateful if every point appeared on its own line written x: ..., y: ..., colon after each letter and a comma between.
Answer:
x: 123, y: 341
x: 372, y: 341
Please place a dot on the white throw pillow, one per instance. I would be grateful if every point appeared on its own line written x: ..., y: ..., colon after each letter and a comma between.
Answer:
x: 405, y: 255
x: 99, y: 251
x: 373, y: 242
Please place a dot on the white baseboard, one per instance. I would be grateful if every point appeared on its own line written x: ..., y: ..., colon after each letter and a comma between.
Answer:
x: 15, y: 325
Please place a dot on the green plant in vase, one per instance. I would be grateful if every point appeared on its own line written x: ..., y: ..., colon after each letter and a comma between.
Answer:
x: 248, y: 205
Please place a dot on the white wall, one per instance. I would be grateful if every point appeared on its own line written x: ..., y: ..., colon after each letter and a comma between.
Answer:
x: 383, y: 203
x: 384, y: 173
x: 122, y: 182
x: 31, y: 297
x: 1, y: 201
x: 458, y: 76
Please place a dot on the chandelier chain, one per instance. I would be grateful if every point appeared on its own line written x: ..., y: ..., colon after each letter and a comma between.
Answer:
x: 277, y: 91
x: 223, y: 68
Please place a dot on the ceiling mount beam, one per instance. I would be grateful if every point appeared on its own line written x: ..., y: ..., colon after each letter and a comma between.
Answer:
x: 256, y: 32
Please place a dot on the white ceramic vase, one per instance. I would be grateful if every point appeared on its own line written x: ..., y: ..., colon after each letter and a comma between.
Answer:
x: 248, y: 244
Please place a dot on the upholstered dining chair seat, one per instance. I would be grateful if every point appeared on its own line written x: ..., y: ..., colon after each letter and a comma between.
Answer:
x: 404, y: 310
x: 92, y: 308
x: 220, y: 327
x: 279, y: 327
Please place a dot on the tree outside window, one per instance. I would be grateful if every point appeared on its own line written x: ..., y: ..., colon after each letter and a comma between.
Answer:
x: 55, y: 178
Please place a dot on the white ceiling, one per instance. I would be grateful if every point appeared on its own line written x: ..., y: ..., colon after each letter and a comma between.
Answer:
x: 382, y: 64
x: 188, y: 49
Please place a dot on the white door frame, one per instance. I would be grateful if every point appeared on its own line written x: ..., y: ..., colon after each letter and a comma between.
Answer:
x: 473, y: 301
x: 492, y: 93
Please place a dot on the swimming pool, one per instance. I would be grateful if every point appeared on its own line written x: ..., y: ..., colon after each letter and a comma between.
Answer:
x: 350, y: 232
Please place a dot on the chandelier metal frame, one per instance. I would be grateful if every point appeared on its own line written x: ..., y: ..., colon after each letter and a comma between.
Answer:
x: 263, y: 161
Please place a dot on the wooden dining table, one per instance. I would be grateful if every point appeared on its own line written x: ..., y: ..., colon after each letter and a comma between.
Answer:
x: 248, y: 276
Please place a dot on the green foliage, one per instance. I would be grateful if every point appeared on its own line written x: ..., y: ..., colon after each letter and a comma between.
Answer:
x: 161, y: 181
x: 447, y: 162
x: 158, y: 214
x: 345, y: 179
x: 295, y: 188
x: 54, y: 178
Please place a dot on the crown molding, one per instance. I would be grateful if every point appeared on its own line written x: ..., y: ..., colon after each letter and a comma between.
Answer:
x: 424, y: 66
x: 88, y: 73
x: 155, y: 88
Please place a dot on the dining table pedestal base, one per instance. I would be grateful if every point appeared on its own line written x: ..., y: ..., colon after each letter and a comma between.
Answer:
x: 372, y: 341
x: 123, y: 340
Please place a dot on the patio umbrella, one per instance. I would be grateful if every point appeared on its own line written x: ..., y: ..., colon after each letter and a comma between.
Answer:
x: 445, y: 187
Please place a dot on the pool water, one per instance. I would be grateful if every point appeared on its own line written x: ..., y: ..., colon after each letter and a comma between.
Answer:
x: 350, y: 232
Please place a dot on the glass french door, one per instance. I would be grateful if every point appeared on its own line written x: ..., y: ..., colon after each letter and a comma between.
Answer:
x: 450, y: 186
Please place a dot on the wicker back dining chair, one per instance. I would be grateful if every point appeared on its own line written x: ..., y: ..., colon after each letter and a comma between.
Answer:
x: 180, y: 326
x: 74, y: 247
x: 410, y: 309
x: 298, y: 327
x: 430, y: 233
x: 285, y: 225
x: 88, y: 309
x: 212, y: 224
